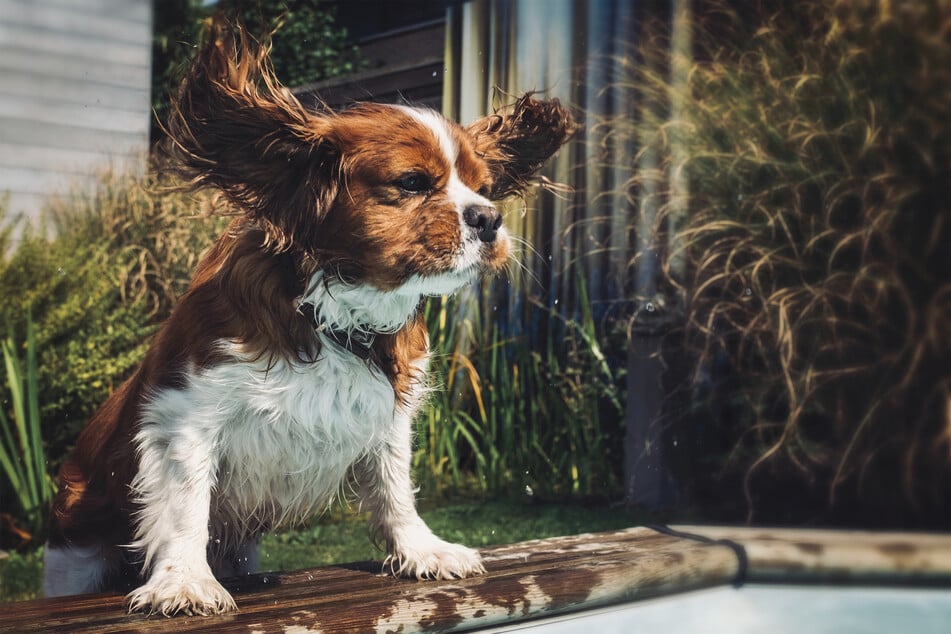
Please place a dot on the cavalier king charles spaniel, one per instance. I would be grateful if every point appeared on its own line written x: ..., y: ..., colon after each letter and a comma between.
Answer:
x: 296, y: 360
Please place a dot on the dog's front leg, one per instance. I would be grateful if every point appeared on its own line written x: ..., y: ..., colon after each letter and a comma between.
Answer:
x: 177, y: 472
x: 387, y: 492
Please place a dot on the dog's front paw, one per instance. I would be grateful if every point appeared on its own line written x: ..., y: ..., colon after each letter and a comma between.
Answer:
x: 171, y: 591
x: 433, y: 558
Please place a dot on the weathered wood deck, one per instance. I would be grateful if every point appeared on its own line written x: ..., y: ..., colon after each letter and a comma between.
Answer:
x: 524, y: 581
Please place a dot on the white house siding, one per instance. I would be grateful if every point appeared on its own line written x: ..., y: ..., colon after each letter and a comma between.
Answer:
x: 74, y: 94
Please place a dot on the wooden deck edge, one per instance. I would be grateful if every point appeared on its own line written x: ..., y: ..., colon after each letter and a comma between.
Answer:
x: 524, y: 581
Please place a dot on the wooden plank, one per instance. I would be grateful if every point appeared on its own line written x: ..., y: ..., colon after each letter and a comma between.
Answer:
x: 404, y: 65
x: 67, y: 161
x: 44, y: 182
x: 530, y: 580
x: 121, y: 9
x: 52, y: 135
x: 86, y: 116
x: 74, y: 77
x: 96, y: 21
x: 77, y: 46
x: 70, y: 68
x: 839, y: 556
x: 77, y: 90
x: 523, y: 581
x: 418, y: 85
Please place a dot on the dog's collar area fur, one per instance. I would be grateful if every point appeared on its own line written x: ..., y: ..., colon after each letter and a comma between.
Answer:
x: 358, y: 343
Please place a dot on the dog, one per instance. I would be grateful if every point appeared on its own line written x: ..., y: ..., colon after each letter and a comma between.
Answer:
x: 293, y: 365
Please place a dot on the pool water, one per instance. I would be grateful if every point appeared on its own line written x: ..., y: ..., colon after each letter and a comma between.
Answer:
x: 767, y: 609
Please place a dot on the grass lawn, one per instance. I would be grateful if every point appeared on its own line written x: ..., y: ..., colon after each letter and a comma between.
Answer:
x: 341, y: 537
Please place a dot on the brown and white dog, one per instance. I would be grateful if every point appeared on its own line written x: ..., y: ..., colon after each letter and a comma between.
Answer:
x: 297, y: 358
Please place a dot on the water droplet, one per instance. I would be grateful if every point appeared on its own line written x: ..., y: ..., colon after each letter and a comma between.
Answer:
x: 748, y: 291
x: 528, y: 491
x: 435, y: 74
x: 556, y: 302
x: 264, y: 580
x: 650, y: 307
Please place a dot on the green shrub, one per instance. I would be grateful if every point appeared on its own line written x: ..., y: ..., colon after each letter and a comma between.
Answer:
x: 813, y: 258
x: 98, y: 277
x: 21, y: 575
x: 308, y: 45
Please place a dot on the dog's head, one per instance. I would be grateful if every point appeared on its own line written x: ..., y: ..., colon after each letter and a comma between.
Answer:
x: 391, y: 196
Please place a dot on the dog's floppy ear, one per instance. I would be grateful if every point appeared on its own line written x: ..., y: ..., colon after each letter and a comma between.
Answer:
x: 234, y: 127
x: 518, y: 141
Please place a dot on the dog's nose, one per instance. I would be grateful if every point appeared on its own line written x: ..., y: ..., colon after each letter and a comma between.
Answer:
x: 484, y: 219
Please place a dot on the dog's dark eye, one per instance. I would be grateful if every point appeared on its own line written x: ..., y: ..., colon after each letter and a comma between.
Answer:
x: 415, y: 183
x: 484, y: 191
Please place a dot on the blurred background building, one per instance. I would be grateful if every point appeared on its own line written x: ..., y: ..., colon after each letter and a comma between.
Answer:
x: 74, y: 94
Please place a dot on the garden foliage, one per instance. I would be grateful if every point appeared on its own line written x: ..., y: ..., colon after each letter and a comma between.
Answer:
x: 517, y: 412
x: 812, y: 254
x: 22, y: 459
x: 310, y: 47
x: 97, y: 278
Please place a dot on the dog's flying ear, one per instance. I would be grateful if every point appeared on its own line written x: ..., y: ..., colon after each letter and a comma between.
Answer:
x: 517, y: 142
x: 234, y: 127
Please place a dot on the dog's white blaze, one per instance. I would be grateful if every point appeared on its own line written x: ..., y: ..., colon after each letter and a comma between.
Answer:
x: 463, y: 197
x: 437, y: 123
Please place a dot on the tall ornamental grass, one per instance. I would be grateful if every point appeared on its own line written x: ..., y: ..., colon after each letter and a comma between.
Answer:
x: 813, y: 253
x: 513, y: 414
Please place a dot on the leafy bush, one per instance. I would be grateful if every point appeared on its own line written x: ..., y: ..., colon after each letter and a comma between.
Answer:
x: 21, y: 576
x: 308, y: 46
x: 813, y: 258
x: 97, y: 278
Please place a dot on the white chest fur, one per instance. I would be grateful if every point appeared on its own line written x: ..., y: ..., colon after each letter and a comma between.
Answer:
x: 279, y: 441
